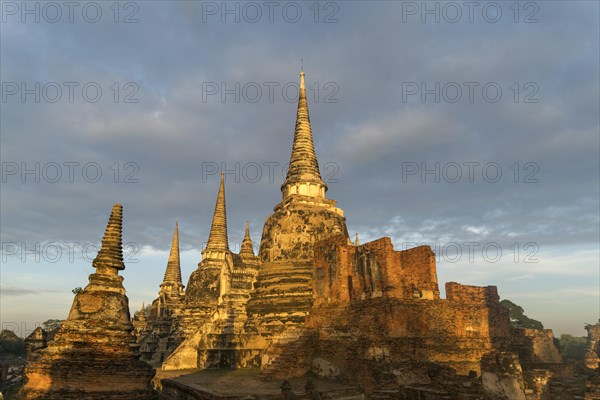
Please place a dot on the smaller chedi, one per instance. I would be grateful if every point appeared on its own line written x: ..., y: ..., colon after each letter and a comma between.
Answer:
x: 154, y: 331
x: 94, y: 355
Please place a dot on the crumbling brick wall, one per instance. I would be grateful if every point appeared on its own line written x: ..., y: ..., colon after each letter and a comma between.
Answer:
x: 535, y: 346
x: 471, y: 294
x: 418, y: 270
x: 592, y: 353
x: 369, y: 341
x: 345, y: 272
x: 498, y: 321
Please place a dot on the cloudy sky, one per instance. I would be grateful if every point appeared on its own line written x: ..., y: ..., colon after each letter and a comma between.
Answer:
x: 469, y: 127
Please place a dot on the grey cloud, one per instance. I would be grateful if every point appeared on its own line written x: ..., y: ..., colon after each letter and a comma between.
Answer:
x: 17, y: 291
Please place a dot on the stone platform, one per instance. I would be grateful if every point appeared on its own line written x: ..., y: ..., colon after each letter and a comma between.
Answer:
x: 242, y: 384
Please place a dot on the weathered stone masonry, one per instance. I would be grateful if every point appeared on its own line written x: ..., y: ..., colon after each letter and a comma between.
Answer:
x: 94, y: 355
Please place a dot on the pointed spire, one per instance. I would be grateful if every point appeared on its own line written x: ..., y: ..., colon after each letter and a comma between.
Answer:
x: 217, y: 240
x: 110, y: 257
x: 142, y: 314
x: 247, y: 250
x: 173, y: 272
x: 304, y: 167
x: 356, y: 240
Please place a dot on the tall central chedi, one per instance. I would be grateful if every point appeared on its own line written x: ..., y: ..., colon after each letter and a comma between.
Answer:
x: 284, y: 288
x: 232, y: 315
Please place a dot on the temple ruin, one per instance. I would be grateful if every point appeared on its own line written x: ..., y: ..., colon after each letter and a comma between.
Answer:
x: 314, y: 301
x: 361, y: 319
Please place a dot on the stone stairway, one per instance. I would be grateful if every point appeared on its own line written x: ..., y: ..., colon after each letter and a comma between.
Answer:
x: 283, y: 296
x: 288, y: 355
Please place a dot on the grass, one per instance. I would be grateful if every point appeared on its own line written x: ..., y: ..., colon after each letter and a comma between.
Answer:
x: 12, y: 391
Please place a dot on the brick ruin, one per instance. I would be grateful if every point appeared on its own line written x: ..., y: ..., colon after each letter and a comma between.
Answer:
x: 592, y: 353
x: 389, y: 304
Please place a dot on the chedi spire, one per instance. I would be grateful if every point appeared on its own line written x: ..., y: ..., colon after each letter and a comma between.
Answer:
x: 142, y: 314
x: 303, y: 176
x: 110, y: 257
x: 173, y: 272
x: 246, y: 249
x: 217, y: 239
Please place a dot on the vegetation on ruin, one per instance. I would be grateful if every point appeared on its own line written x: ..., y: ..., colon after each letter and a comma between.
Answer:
x: 12, y: 392
x: 518, y: 318
x: 52, y: 325
x: 77, y: 290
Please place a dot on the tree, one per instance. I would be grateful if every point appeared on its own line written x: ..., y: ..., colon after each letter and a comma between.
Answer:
x: 11, y: 343
x: 572, y: 347
x: 518, y: 318
x: 52, y: 325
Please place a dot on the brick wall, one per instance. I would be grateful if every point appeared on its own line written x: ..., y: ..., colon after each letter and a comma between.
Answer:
x: 345, y: 272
